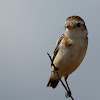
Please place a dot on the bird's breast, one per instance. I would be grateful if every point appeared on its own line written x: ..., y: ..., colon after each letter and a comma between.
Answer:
x: 68, y: 59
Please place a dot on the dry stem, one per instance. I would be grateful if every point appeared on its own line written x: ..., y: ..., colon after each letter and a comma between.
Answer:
x: 59, y: 76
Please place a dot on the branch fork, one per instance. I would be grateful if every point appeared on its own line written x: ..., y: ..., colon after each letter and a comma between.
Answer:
x: 56, y: 70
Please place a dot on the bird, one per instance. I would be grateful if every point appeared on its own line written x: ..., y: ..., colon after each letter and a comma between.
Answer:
x: 70, y: 50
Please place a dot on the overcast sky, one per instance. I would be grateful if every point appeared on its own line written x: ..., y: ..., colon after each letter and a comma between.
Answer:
x: 28, y: 30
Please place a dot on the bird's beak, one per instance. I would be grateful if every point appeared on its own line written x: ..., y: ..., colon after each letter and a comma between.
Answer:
x: 70, y: 27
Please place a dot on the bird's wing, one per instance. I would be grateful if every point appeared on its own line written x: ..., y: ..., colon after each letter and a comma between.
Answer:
x: 57, y: 46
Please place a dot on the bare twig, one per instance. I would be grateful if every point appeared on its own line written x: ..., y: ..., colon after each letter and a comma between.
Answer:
x: 59, y: 76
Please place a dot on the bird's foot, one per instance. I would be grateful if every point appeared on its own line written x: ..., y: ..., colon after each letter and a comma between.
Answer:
x: 55, y: 70
x: 68, y: 94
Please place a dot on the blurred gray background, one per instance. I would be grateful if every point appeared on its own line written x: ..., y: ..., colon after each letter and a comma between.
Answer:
x: 28, y: 30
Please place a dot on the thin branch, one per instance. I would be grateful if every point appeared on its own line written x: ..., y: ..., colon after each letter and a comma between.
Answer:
x: 59, y: 76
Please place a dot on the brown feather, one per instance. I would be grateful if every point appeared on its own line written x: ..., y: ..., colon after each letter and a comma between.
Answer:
x: 64, y: 41
x: 57, y: 47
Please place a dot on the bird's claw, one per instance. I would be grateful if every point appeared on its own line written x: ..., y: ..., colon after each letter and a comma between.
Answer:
x: 56, y: 69
x: 68, y: 94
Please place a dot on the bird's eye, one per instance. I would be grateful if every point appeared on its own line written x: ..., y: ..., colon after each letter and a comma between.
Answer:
x: 78, y: 24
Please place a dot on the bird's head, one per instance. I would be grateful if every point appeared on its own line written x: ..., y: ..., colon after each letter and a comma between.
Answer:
x: 75, y: 25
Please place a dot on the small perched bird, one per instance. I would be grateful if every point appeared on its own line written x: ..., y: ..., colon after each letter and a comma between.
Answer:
x: 70, y: 49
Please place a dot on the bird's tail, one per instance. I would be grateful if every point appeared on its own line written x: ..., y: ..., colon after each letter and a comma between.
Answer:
x: 52, y: 83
